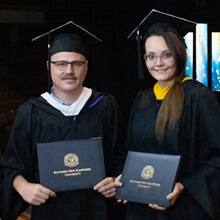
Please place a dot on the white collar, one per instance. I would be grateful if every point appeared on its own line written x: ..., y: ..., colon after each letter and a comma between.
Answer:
x: 74, y: 108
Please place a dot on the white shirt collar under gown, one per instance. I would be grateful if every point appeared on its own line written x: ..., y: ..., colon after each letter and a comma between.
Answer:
x: 69, y: 110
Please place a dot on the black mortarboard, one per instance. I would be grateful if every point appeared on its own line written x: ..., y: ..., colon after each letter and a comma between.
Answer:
x: 182, y: 25
x: 68, y: 37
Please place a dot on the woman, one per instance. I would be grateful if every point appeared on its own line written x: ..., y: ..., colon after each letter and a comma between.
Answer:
x: 177, y: 116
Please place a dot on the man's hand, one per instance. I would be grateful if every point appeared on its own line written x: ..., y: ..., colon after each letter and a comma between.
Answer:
x: 107, y: 187
x: 32, y: 193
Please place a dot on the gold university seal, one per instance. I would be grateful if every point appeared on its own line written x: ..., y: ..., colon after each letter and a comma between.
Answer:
x: 71, y: 160
x: 147, y: 172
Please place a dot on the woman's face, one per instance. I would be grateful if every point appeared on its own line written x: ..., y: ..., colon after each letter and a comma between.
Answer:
x: 160, y: 61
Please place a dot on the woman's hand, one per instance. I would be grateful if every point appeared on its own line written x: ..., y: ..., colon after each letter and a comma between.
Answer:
x: 32, y: 193
x: 107, y: 187
x: 119, y: 184
x: 177, y: 190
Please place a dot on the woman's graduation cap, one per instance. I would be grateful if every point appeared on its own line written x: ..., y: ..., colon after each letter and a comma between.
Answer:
x: 68, y: 37
x: 182, y: 25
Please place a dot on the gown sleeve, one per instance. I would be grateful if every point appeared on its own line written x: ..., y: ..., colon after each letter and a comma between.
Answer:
x: 203, y: 184
x: 137, y: 103
x: 115, y: 127
x: 1, y: 188
x: 17, y: 161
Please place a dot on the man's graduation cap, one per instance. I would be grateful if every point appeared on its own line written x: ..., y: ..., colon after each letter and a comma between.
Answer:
x: 182, y: 25
x: 68, y: 37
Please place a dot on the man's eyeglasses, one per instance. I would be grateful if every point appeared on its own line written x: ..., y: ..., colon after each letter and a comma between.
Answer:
x: 62, y: 65
x: 164, y: 57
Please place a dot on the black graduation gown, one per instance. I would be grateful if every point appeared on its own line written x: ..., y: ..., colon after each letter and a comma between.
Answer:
x: 39, y: 122
x: 196, y: 138
x: 1, y: 189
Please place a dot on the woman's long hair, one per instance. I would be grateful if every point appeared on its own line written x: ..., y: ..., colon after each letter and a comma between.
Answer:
x: 172, y: 106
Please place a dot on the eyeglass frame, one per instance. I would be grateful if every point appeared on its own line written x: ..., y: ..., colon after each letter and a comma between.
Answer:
x: 164, y: 57
x: 82, y: 62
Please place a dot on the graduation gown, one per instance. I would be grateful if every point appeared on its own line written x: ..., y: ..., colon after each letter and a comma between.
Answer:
x: 196, y: 138
x: 1, y: 189
x: 39, y: 122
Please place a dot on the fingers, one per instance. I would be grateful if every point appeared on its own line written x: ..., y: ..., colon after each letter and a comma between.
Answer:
x: 104, y: 184
x: 178, y: 188
x: 106, y: 187
x: 171, y: 196
x: 47, y: 191
x: 25, y: 188
x: 41, y: 196
x: 173, y: 193
x: 122, y: 201
x: 156, y: 207
x: 118, y: 180
x: 36, y: 194
x: 109, y: 193
x: 37, y: 200
x: 108, y: 184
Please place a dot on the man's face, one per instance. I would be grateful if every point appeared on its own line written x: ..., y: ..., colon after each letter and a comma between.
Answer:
x: 68, y: 71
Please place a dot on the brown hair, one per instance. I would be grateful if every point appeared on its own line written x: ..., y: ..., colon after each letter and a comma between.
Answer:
x: 171, y: 107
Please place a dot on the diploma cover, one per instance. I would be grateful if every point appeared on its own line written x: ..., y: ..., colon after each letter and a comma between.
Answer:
x: 71, y: 165
x: 148, y: 178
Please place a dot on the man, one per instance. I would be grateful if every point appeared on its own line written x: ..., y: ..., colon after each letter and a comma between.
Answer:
x: 69, y: 111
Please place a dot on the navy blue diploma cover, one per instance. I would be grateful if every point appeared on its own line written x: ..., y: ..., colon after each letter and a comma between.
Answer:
x: 71, y: 165
x: 148, y: 178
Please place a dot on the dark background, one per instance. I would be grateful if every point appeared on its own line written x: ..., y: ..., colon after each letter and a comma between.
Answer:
x: 112, y: 67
